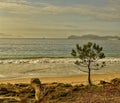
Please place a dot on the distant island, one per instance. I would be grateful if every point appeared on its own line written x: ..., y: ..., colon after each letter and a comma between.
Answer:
x: 94, y: 37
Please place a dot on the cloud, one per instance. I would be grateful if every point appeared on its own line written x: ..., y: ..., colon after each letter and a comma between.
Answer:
x: 114, y: 1
x: 15, y: 7
x: 14, y: 1
x: 105, y: 13
x: 5, y: 35
x: 110, y: 12
x: 2, y: 35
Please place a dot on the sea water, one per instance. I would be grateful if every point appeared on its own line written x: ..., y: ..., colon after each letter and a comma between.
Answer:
x: 31, y: 48
x: 39, y: 62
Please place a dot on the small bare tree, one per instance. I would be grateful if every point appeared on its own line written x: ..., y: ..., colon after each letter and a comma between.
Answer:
x: 89, y: 54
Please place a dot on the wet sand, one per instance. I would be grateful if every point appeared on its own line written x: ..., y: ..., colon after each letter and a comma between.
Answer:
x: 50, y: 67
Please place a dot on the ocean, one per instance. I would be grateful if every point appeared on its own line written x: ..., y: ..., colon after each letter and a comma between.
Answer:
x: 33, y: 48
x: 28, y: 58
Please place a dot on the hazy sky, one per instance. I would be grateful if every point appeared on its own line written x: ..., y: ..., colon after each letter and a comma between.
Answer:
x: 59, y: 18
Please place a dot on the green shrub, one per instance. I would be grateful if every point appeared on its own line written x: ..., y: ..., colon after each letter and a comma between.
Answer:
x: 63, y: 94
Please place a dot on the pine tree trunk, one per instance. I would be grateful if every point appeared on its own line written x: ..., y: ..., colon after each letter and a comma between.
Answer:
x: 89, y: 74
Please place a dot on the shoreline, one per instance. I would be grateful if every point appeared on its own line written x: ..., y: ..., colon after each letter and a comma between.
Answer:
x: 44, y: 67
x: 76, y: 79
x: 51, y: 57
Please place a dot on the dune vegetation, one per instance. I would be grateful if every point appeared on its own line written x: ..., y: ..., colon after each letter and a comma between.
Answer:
x: 104, y: 92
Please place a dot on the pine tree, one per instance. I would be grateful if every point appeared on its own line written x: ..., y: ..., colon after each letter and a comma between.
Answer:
x: 89, y: 54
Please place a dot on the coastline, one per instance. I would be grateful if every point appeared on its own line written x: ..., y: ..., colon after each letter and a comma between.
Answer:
x: 50, y: 67
x: 49, y: 59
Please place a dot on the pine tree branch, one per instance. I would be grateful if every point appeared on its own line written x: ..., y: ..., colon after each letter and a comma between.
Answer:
x: 81, y: 69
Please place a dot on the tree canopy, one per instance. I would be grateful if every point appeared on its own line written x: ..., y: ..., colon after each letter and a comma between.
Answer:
x: 89, y: 54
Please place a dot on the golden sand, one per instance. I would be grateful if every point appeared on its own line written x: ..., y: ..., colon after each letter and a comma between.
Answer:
x: 80, y: 79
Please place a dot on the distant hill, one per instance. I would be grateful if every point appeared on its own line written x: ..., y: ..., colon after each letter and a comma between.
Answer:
x: 94, y: 37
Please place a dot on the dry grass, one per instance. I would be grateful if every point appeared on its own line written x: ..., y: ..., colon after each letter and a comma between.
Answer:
x: 62, y: 93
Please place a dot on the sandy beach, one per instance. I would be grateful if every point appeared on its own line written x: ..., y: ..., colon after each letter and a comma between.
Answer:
x: 62, y: 70
x: 80, y: 79
x: 50, y: 67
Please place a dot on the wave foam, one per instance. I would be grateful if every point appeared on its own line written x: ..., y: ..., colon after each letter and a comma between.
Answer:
x: 51, y: 60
